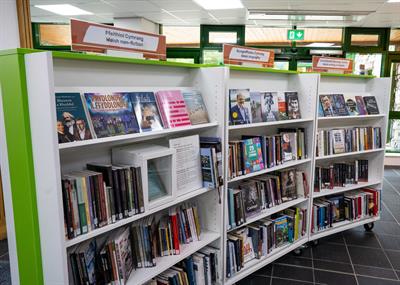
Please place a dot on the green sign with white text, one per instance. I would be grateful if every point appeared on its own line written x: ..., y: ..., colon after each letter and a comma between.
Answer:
x: 295, y: 35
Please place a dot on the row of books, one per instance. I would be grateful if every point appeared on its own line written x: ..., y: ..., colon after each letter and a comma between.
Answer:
x: 259, y: 239
x: 98, y: 115
x: 340, y: 174
x: 255, y: 153
x: 333, y: 105
x: 110, y: 259
x: 338, y: 141
x: 200, y: 268
x: 247, y: 107
x: 253, y: 196
x: 354, y: 205
x: 100, y: 195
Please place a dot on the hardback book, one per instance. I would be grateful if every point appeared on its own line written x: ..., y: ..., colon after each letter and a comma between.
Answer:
x: 251, y: 199
x: 172, y: 107
x: 239, y: 106
x: 328, y: 105
x: 197, y: 109
x: 253, y: 157
x: 146, y: 111
x: 255, y: 105
x: 289, y: 191
x: 111, y: 114
x: 362, y: 110
x: 292, y: 105
x: 351, y: 105
x: 72, y: 119
x: 371, y: 105
x: 338, y: 141
x: 282, y: 108
x: 269, y: 106
x: 247, y: 247
x: 289, y: 146
x: 340, y: 105
x: 124, y: 253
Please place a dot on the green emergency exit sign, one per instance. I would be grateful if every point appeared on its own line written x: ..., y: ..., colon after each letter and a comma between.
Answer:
x: 295, y: 35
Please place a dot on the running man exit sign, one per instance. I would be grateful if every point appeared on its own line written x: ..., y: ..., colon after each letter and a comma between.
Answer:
x: 295, y: 35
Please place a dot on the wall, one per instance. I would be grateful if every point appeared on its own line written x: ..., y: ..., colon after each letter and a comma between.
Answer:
x: 9, y: 34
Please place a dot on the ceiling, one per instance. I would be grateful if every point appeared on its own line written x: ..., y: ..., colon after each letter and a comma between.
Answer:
x: 187, y: 13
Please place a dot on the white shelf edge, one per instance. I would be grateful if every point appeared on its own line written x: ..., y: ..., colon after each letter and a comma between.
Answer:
x: 337, y: 190
x: 264, y: 171
x: 270, y: 211
x: 143, y: 275
x: 256, y: 264
x: 120, y: 223
x: 267, y: 124
x: 133, y: 137
x: 333, y: 156
x: 343, y: 118
x: 342, y: 226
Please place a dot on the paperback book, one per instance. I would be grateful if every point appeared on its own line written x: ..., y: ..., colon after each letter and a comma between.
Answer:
x: 351, y: 105
x: 371, y: 105
x: 362, y: 110
x: 256, y: 108
x: 239, y: 111
x: 328, y: 105
x: 340, y: 105
x: 146, y: 111
x: 269, y: 106
x: 292, y: 105
x: 196, y: 108
x: 173, y: 109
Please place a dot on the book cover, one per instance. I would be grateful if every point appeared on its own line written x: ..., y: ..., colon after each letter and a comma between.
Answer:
x: 172, y: 107
x: 207, y: 167
x: 361, y: 106
x: 239, y: 108
x: 146, y: 111
x: 111, y: 114
x: 289, y: 146
x: 196, y: 107
x: 289, y: 190
x: 72, y: 121
x: 351, y: 105
x: 340, y: 105
x: 371, y: 105
x: 338, y: 140
x: 269, y: 106
x: 251, y: 199
x: 281, y: 231
x: 320, y: 110
x: 292, y: 105
x: 253, y: 158
x: 282, y: 106
x: 328, y: 105
x: 255, y: 104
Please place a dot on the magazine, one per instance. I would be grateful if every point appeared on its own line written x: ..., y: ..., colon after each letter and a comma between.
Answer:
x: 146, y: 111
x: 239, y: 112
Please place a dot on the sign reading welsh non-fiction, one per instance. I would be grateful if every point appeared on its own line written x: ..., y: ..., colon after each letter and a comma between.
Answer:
x: 240, y: 55
x: 332, y: 64
x: 95, y: 37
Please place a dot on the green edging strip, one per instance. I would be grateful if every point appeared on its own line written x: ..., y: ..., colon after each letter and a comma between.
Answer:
x: 347, y: 75
x: 21, y: 168
x: 260, y: 69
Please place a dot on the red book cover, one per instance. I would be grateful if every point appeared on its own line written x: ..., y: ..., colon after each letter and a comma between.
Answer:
x: 172, y: 107
x: 175, y: 232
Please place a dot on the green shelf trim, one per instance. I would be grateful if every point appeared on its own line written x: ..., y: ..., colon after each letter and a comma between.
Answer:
x: 260, y: 69
x: 347, y: 75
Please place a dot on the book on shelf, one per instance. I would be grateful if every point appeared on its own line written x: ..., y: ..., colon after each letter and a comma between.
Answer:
x: 340, y: 105
x: 251, y: 199
x: 332, y: 105
x: 269, y: 106
x: 211, y: 162
x: 239, y: 106
x: 172, y: 107
x: 371, y: 105
x: 328, y: 105
x: 351, y: 206
x: 292, y: 105
x: 362, y: 110
x: 282, y: 107
x: 256, y: 107
x: 351, y: 105
x: 252, y: 155
x: 72, y: 118
x: 146, y: 111
x: 196, y: 108
x: 259, y: 239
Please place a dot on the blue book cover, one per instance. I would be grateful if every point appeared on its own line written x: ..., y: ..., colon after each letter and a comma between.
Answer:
x: 190, y: 270
x: 207, y: 167
x: 111, y: 114
x: 72, y: 122
x: 146, y: 111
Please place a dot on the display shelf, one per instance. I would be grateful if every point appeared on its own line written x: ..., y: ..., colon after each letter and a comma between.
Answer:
x: 337, y: 190
x: 333, y: 156
x: 130, y: 138
x: 268, y: 212
x: 342, y: 226
x: 256, y: 264
x: 351, y: 118
x: 268, y: 124
x: 268, y: 170
x: 142, y: 275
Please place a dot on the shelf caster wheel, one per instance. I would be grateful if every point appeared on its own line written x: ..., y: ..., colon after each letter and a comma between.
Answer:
x: 297, y: 252
x: 314, y: 243
x: 368, y: 227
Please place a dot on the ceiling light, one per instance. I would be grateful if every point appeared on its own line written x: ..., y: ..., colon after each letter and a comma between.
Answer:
x: 64, y: 9
x: 324, y: 18
x: 219, y: 4
x: 393, y: 1
x: 268, y: 17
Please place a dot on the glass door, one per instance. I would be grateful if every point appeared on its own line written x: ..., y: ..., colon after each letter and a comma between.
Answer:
x: 393, y: 140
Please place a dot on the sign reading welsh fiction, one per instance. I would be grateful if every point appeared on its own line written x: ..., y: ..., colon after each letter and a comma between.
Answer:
x: 94, y: 37
x: 240, y: 55
x: 295, y: 35
x: 332, y: 64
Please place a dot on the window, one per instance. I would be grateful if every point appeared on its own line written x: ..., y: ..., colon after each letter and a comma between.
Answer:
x: 366, y: 64
x: 213, y: 57
x: 364, y: 40
x: 182, y: 36
x: 222, y: 37
x: 395, y: 40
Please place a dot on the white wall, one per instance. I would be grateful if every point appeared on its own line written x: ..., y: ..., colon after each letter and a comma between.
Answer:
x: 137, y: 24
x: 9, y: 34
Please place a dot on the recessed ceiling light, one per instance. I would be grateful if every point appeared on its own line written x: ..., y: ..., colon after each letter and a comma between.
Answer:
x: 219, y: 4
x: 64, y: 9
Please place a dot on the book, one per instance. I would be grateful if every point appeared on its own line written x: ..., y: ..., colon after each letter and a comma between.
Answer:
x: 340, y: 105
x: 289, y: 191
x: 239, y: 106
x: 361, y: 106
x: 255, y: 105
x: 196, y: 108
x: 207, y: 167
x: 172, y: 107
x: 328, y: 105
x: 292, y: 105
x: 269, y: 106
x: 72, y: 119
x: 281, y: 230
x: 338, y: 141
x: 282, y: 107
x: 289, y: 146
x: 351, y: 105
x: 251, y: 199
x: 111, y: 114
x: 371, y: 105
x: 253, y: 159
x: 146, y: 111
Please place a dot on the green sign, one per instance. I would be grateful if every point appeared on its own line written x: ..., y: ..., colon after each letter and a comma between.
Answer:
x: 295, y: 35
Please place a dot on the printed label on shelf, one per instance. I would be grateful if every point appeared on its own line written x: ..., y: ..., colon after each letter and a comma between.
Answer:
x: 243, y: 55
x: 327, y: 64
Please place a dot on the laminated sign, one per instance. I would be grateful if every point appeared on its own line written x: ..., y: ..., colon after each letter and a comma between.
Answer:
x: 99, y: 38
x: 332, y: 64
x: 240, y: 55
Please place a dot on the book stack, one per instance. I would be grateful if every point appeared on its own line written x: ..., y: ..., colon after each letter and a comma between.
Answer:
x: 340, y: 174
x: 100, y: 196
x: 255, y: 153
x: 253, y: 196
x: 255, y: 107
x: 199, y: 269
x: 333, y: 105
x: 260, y: 238
x: 211, y: 162
x: 337, y: 141
x: 354, y: 205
